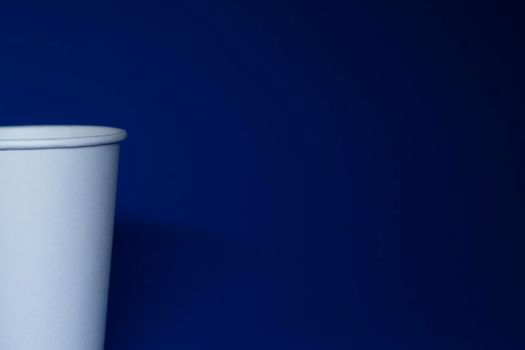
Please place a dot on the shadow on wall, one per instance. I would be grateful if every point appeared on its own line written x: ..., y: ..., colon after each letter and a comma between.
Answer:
x: 157, y: 273
x: 180, y: 288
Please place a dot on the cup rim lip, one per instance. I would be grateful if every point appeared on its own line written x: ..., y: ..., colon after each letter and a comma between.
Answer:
x: 94, y: 135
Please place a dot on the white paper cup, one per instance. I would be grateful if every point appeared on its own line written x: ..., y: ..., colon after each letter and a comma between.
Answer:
x: 57, y: 204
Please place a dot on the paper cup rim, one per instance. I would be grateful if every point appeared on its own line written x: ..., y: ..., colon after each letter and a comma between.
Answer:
x: 58, y: 136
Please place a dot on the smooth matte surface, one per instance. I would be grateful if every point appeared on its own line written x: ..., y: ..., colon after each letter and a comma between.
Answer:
x: 56, y: 228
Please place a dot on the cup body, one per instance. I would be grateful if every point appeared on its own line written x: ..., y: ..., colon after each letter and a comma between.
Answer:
x: 57, y: 203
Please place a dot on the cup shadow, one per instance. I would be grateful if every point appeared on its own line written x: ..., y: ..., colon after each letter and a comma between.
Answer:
x: 157, y: 271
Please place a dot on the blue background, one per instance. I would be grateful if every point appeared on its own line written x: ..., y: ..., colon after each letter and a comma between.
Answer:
x: 298, y: 174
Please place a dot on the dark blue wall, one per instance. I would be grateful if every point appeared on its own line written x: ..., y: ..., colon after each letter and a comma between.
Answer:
x: 299, y: 174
